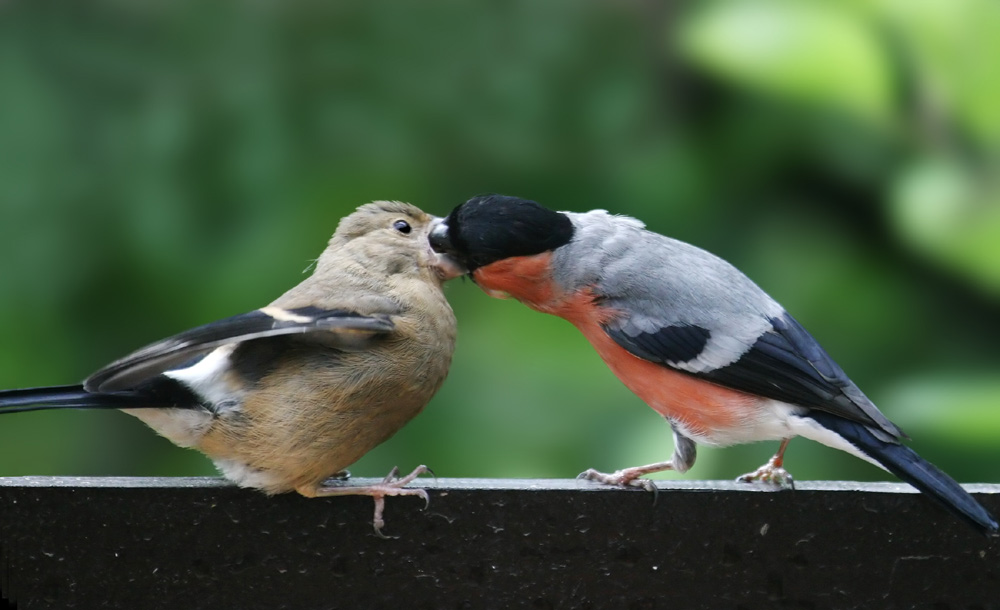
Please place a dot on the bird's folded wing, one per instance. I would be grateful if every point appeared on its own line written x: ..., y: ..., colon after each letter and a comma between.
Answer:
x: 784, y: 363
x: 336, y: 328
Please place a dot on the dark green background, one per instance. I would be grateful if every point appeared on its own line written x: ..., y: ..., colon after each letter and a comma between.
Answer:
x: 164, y: 164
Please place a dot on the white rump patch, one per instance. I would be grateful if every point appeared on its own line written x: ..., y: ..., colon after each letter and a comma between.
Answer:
x: 206, y: 378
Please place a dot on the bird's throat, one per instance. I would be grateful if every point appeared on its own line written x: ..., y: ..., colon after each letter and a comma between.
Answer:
x: 525, y: 278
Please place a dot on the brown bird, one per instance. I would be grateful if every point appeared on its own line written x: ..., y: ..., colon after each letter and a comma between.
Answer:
x: 287, y: 396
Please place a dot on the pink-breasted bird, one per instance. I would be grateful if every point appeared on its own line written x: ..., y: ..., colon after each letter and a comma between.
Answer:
x: 688, y: 333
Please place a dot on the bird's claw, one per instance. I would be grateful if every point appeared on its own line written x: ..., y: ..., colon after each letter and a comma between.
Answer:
x: 770, y: 475
x: 391, y: 485
x: 621, y: 478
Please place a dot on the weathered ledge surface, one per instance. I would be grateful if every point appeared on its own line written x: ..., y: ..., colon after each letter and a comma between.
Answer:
x: 68, y: 542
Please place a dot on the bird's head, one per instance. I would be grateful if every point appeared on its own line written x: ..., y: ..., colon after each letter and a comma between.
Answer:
x: 391, y: 236
x: 491, y: 228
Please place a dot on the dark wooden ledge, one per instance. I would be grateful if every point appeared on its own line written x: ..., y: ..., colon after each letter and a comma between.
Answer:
x: 201, y: 543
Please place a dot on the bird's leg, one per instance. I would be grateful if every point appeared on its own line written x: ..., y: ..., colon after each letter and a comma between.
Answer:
x: 683, y: 458
x: 627, y: 477
x: 391, y: 485
x: 772, y: 473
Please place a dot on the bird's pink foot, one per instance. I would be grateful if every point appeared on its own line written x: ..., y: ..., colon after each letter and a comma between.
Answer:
x: 391, y: 485
x: 771, y: 474
x: 626, y: 477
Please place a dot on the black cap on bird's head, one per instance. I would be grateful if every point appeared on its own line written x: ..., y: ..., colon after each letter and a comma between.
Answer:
x: 489, y: 228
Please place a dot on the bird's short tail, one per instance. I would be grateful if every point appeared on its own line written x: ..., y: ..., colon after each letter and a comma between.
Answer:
x: 903, y: 462
x: 62, y: 397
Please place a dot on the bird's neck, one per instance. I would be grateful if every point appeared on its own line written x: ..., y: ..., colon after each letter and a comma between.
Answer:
x: 529, y: 280
x: 525, y: 278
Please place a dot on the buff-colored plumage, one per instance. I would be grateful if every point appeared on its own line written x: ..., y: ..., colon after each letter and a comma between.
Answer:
x: 304, y: 428
x: 285, y: 397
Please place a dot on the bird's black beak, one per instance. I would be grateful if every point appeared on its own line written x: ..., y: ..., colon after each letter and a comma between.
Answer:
x: 446, y: 262
x: 439, y: 239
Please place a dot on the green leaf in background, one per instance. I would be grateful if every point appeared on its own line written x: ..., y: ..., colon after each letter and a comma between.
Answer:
x: 165, y: 164
x: 952, y: 47
x: 821, y: 53
x: 952, y: 216
x: 950, y: 408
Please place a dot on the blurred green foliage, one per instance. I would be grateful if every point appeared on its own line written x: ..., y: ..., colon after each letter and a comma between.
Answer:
x: 164, y: 164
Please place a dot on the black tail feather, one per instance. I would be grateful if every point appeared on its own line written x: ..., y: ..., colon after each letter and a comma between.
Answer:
x: 66, y: 397
x: 903, y: 462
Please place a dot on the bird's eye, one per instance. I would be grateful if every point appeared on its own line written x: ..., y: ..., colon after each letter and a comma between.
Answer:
x: 402, y: 226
